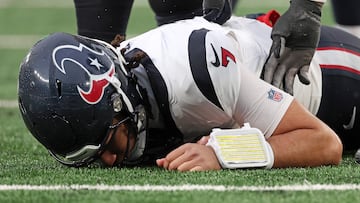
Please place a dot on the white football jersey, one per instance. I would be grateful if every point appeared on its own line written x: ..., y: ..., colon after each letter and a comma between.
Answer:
x: 206, y: 72
x: 255, y: 42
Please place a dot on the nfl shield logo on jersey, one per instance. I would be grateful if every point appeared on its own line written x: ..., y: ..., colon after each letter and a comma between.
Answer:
x: 275, y: 95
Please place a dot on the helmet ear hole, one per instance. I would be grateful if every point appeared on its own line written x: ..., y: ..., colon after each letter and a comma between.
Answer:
x: 21, y: 106
x: 58, y: 87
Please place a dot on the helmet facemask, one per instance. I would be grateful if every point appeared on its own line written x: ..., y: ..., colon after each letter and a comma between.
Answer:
x: 136, y: 123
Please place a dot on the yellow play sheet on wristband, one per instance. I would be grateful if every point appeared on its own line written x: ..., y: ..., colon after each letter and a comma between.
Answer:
x: 243, y: 148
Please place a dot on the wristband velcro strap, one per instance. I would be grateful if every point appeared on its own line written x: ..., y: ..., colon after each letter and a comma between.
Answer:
x: 241, y: 148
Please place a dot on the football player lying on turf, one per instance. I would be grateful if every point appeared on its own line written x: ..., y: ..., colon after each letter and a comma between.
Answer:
x: 151, y: 100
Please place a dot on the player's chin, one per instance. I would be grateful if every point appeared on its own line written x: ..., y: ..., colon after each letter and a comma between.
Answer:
x: 112, y: 160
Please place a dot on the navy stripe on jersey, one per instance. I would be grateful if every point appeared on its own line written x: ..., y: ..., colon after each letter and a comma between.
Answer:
x: 159, y: 88
x: 340, y: 70
x: 333, y: 39
x: 198, y: 65
x: 338, y: 39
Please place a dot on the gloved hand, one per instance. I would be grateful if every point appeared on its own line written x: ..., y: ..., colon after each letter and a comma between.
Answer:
x: 295, y: 37
x: 218, y: 11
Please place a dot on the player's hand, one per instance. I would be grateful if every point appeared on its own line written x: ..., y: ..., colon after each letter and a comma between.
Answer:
x: 190, y: 157
x: 295, y: 37
x: 218, y: 11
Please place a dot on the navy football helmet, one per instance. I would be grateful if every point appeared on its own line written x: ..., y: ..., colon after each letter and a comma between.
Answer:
x: 69, y: 90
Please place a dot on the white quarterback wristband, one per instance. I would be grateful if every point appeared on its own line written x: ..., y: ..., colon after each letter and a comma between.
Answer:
x: 245, y: 147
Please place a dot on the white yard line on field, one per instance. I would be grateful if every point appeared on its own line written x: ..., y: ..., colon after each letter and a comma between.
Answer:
x: 15, y: 42
x: 165, y: 188
x: 50, y: 3
x: 8, y: 103
x: 18, y: 41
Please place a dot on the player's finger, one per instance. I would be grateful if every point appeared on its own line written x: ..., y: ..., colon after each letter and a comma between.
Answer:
x: 282, y: 46
x: 189, y: 165
x: 160, y: 162
x: 279, y: 75
x: 197, y: 168
x: 164, y: 163
x: 276, y: 45
x: 289, y: 80
x: 269, y: 68
x: 176, y: 163
x: 176, y: 152
x: 304, y: 75
x: 204, y: 140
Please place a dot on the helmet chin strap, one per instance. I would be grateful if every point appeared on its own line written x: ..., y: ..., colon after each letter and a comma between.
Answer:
x: 138, y: 150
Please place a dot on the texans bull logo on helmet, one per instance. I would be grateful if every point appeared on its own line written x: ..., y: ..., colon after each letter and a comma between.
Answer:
x: 100, y: 64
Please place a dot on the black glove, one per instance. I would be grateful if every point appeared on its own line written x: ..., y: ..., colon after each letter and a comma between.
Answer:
x: 295, y: 37
x: 218, y: 11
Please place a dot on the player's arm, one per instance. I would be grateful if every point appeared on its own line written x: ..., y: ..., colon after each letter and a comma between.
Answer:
x: 300, y: 140
x: 295, y: 36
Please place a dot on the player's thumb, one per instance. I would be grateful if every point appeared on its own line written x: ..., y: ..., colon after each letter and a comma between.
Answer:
x: 204, y: 140
x: 304, y: 75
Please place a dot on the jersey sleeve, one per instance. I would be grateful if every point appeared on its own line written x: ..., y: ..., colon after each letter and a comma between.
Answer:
x: 242, y: 94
